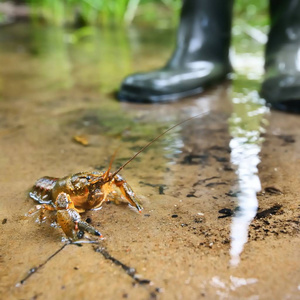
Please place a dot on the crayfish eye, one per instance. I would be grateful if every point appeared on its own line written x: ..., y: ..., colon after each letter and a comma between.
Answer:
x: 88, y: 178
x: 80, y: 234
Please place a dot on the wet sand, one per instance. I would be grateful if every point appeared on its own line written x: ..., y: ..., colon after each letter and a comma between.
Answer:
x: 179, y: 246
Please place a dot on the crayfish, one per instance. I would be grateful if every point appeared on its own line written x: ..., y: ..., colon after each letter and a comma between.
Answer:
x: 74, y: 194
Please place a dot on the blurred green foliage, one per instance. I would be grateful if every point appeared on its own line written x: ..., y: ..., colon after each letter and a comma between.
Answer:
x: 105, y: 12
x: 164, y: 13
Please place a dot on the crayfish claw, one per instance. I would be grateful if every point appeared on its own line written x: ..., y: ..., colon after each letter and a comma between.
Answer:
x: 127, y: 192
x: 88, y: 228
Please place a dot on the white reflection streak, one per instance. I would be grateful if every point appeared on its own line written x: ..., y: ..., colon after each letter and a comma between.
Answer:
x: 245, y: 128
x: 245, y: 156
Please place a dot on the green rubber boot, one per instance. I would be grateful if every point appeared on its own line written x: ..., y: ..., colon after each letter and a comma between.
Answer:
x: 281, y: 86
x: 199, y: 60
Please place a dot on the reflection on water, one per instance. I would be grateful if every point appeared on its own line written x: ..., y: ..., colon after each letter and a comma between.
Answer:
x: 224, y: 287
x: 245, y: 128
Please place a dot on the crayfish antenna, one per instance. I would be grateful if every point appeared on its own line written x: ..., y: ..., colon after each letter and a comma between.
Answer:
x: 151, y: 142
x: 106, y: 176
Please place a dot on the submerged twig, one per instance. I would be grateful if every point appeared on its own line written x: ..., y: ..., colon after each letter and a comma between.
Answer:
x: 128, y: 270
x: 35, y: 269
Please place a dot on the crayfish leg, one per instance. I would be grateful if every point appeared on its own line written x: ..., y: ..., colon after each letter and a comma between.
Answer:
x: 41, y: 208
x: 127, y: 192
x: 67, y: 221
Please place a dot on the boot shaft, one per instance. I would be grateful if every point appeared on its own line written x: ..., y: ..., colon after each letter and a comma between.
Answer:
x: 204, y: 31
x: 285, y: 25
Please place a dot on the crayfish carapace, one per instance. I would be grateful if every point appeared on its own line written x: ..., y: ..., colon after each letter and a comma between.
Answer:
x: 71, y: 195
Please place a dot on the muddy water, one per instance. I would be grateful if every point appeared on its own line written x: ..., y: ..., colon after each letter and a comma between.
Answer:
x: 220, y: 193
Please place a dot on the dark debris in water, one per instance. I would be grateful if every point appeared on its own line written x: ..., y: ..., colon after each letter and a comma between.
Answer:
x: 287, y: 138
x: 202, y: 158
x: 220, y: 148
x: 273, y: 190
x: 226, y: 212
x: 195, y: 159
x: 215, y: 184
x: 161, y: 187
x: 268, y: 212
x: 191, y: 194
x: 228, y: 168
x: 232, y: 194
x: 220, y: 158
x: 199, y: 182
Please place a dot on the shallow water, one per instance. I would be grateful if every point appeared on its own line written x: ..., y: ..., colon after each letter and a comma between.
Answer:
x: 199, y: 234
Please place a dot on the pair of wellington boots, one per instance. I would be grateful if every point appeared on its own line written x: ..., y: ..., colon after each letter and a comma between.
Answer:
x: 201, y: 57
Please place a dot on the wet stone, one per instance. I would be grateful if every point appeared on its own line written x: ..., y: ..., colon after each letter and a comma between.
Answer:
x: 227, y: 168
x: 273, y: 190
x: 287, y: 138
x: 220, y: 159
x: 194, y: 159
x: 190, y: 195
x: 161, y: 190
x: 215, y: 184
x: 232, y: 194
x: 144, y: 281
x: 227, y: 212
x: 268, y: 212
